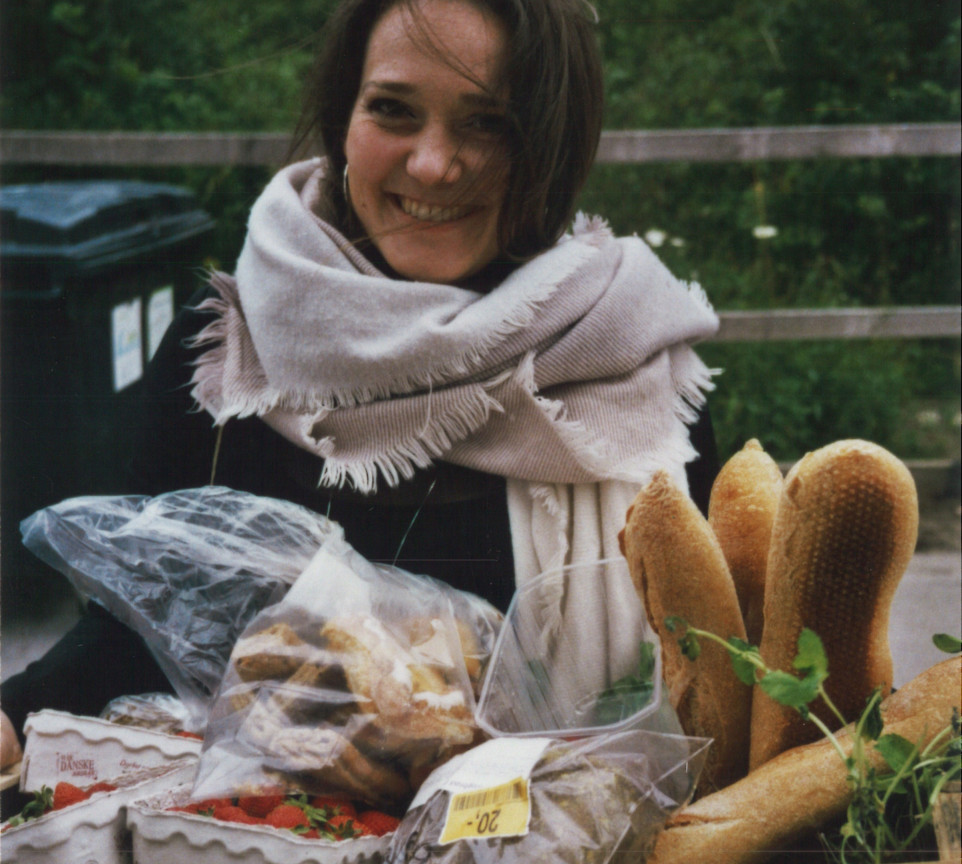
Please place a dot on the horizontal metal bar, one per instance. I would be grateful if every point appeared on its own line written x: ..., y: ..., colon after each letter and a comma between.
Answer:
x: 780, y: 143
x: 619, y: 147
x: 905, y: 322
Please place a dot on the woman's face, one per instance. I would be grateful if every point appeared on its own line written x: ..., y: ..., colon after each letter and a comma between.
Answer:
x: 426, y: 151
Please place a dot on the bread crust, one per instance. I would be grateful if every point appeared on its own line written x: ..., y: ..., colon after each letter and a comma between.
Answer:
x: 678, y: 568
x: 741, y: 512
x: 802, y: 789
x: 844, y: 533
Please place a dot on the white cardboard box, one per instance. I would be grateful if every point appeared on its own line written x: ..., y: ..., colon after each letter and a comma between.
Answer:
x: 85, y: 750
x: 92, y: 831
x: 161, y: 836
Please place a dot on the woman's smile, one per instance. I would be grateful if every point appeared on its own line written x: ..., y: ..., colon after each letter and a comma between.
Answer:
x: 426, y: 150
x: 425, y: 212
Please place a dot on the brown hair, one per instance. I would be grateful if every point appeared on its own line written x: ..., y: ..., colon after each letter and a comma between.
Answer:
x: 554, y: 111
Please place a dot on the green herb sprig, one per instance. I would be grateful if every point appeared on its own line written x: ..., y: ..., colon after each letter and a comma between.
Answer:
x: 628, y: 695
x: 889, y: 812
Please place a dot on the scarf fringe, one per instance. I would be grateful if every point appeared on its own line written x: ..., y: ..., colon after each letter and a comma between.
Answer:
x: 402, y: 457
x: 209, y: 385
x: 208, y: 374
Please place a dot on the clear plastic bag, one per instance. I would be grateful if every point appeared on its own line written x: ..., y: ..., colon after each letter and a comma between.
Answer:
x: 540, y: 682
x: 186, y: 570
x: 514, y: 801
x: 358, y: 683
x: 159, y: 712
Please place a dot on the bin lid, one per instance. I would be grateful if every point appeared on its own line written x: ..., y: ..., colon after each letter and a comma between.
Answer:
x: 85, y: 225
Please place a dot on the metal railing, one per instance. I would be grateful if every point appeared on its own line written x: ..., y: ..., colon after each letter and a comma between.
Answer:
x: 22, y: 147
x: 617, y: 147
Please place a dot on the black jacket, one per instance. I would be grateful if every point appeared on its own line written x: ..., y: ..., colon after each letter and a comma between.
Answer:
x: 448, y: 522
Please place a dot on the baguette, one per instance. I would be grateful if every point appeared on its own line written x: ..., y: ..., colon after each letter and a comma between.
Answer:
x: 844, y: 533
x: 803, y: 789
x: 678, y: 568
x: 741, y: 511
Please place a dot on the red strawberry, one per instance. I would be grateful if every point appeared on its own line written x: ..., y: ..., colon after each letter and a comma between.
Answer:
x: 208, y: 805
x: 379, y: 823
x: 343, y: 826
x: 259, y: 805
x: 288, y: 816
x: 333, y: 806
x: 66, y: 794
x: 236, y: 814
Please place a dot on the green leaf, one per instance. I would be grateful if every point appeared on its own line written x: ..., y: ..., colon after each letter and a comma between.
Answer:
x: 744, y: 668
x: 673, y: 622
x: 948, y: 644
x: 646, y: 661
x: 788, y: 690
x: 628, y: 695
x: 690, y: 646
x: 895, y: 750
x: 811, y: 657
x: 871, y: 721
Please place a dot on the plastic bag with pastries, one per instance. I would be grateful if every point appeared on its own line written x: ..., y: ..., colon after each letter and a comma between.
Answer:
x: 358, y: 683
x: 516, y: 800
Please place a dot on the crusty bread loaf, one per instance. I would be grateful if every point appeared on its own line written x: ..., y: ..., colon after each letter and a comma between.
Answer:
x: 678, y: 569
x: 741, y: 511
x: 844, y: 532
x: 803, y: 789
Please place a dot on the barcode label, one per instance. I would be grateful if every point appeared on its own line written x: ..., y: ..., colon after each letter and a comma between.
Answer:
x: 514, y: 791
x: 499, y: 811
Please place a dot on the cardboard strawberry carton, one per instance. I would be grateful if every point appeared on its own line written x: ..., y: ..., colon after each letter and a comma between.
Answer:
x: 80, y: 824
x: 168, y: 828
x: 85, y: 750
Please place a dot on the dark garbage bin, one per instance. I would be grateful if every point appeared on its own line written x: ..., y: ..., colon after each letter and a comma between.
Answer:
x: 91, y: 273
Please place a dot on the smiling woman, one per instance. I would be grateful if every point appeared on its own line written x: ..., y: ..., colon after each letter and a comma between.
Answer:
x: 423, y: 340
x: 533, y: 67
x: 426, y: 141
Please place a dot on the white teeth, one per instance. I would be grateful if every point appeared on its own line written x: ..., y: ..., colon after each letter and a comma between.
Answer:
x: 431, y: 212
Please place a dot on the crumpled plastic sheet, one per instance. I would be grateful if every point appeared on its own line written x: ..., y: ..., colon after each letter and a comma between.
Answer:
x: 186, y: 570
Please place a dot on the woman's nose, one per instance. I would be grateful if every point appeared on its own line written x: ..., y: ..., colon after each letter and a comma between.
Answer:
x: 435, y: 157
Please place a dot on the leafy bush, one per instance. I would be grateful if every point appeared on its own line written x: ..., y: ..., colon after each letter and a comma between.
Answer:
x: 835, y: 232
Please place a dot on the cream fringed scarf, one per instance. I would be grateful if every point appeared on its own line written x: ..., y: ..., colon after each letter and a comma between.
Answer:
x: 573, y: 378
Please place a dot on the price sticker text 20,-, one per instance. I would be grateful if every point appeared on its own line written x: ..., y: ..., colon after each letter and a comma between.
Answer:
x: 500, y: 811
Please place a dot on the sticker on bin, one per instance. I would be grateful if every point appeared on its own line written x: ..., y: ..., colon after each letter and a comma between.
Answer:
x: 488, y: 788
x: 160, y: 313
x: 127, y: 342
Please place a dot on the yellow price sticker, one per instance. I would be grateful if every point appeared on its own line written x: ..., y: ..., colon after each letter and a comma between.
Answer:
x: 499, y: 811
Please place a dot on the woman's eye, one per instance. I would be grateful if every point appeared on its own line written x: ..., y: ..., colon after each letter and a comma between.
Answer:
x: 491, y: 125
x: 388, y: 109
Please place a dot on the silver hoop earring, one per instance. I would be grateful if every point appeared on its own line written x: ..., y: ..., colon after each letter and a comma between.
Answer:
x: 344, y: 189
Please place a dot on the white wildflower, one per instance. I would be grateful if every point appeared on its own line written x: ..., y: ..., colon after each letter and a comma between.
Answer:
x: 764, y: 232
x: 655, y: 237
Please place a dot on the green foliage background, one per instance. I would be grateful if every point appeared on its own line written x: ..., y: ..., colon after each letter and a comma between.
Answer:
x: 850, y: 232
